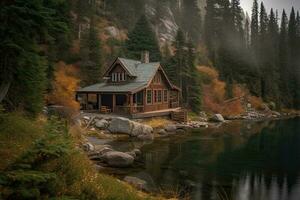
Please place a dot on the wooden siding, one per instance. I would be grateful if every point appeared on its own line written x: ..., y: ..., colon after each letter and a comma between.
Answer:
x: 157, y: 86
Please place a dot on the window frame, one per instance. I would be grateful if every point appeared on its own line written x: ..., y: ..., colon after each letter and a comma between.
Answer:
x: 159, y: 96
x: 151, y: 97
x: 165, y: 96
x: 113, y: 77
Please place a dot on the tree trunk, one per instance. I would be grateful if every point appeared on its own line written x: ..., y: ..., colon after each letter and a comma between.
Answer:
x: 4, y: 87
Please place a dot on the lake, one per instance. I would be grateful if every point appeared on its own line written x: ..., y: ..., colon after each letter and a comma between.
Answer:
x: 239, y: 161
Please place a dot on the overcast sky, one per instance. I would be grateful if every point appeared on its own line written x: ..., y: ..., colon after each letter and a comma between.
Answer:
x: 276, y: 4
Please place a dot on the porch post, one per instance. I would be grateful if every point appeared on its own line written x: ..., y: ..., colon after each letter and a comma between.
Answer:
x: 99, y: 101
x: 130, y: 103
x: 87, y: 101
x: 144, y: 99
x: 114, y: 103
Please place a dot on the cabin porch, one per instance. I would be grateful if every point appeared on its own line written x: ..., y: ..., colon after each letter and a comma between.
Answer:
x: 117, y: 103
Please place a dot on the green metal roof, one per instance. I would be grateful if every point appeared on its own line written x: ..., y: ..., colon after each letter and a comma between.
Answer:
x: 143, y: 72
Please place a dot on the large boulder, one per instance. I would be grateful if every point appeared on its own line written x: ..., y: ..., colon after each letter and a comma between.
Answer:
x: 170, y: 128
x: 137, y: 183
x: 141, y: 129
x: 217, y: 118
x: 118, y: 159
x: 120, y: 125
x: 101, y: 124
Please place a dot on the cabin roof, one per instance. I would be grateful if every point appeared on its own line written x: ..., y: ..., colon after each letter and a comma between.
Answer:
x: 143, y: 74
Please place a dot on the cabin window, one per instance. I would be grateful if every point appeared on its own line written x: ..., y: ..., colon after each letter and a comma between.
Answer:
x: 123, y: 77
x: 149, y: 96
x: 155, y: 96
x: 116, y: 77
x: 159, y: 96
x: 165, y: 95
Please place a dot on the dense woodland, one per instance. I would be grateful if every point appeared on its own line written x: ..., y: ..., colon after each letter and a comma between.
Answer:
x: 260, y: 51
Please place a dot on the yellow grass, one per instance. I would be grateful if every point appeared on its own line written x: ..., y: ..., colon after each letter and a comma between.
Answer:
x: 157, y: 122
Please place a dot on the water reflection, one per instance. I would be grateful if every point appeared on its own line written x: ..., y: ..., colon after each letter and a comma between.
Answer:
x: 243, y: 161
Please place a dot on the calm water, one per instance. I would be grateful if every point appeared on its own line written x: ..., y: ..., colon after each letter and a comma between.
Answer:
x: 241, y: 161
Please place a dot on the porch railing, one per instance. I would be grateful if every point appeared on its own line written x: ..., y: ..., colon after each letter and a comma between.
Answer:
x: 126, y: 109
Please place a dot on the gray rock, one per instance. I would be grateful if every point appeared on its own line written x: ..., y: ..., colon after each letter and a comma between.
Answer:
x: 137, y: 183
x: 170, y: 128
x: 137, y: 152
x: 112, y: 31
x: 120, y: 125
x: 102, y: 124
x: 88, y: 147
x: 162, y: 132
x: 132, y: 153
x: 104, y: 150
x: 118, y: 159
x: 146, y: 137
x: 141, y: 129
x: 217, y: 118
x: 180, y: 131
x: 183, y: 126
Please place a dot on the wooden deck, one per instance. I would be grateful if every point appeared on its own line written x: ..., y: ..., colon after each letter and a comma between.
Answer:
x: 158, y: 113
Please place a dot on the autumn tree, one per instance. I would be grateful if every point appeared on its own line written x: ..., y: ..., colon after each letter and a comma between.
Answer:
x: 64, y: 86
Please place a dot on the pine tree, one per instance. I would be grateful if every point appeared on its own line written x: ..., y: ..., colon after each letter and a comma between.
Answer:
x: 270, y: 68
x: 263, y: 21
x: 210, y: 29
x: 192, y: 20
x: 293, y: 55
x: 91, y: 56
x: 179, y: 58
x: 254, y: 26
x: 247, y: 31
x: 22, y: 76
x: 297, y: 72
x: 194, y: 84
x: 283, y: 61
x: 142, y: 38
x: 236, y: 12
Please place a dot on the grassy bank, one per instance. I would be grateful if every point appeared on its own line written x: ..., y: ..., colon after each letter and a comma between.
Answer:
x: 40, y: 160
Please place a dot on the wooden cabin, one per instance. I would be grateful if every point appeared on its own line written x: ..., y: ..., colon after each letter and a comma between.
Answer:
x: 131, y: 87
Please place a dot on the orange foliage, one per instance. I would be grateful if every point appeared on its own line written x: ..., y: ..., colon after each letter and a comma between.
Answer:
x: 209, y: 71
x: 214, y: 93
x: 64, y: 86
x: 256, y: 102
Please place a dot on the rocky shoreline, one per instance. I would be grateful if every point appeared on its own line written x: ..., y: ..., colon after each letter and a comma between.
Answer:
x: 105, y: 156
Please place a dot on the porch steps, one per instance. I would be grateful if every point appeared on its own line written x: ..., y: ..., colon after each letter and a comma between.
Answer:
x: 179, y: 115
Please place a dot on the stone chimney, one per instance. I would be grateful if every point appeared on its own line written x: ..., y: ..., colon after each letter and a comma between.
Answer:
x: 145, y: 57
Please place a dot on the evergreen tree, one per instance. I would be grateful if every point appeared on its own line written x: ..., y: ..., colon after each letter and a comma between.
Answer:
x: 297, y: 72
x: 142, y: 38
x: 293, y: 56
x: 192, y: 20
x: 91, y: 56
x: 270, y: 68
x: 283, y: 61
x: 263, y: 21
x: 25, y: 25
x: 179, y: 58
x: 254, y: 26
x: 247, y: 31
x: 210, y: 29
x: 194, y: 84
x: 236, y: 12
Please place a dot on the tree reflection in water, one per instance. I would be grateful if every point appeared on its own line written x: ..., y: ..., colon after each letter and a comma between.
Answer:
x: 240, y: 161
